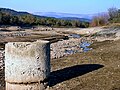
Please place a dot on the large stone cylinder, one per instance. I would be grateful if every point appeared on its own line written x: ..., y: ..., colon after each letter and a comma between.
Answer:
x: 26, y: 63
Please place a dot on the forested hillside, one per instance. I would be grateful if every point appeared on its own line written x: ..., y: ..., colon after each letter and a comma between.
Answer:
x: 12, y: 17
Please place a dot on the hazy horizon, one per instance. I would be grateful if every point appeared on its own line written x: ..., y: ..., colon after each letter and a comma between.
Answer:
x: 61, y: 6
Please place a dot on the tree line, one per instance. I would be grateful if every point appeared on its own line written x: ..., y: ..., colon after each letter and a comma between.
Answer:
x: 7, y: 18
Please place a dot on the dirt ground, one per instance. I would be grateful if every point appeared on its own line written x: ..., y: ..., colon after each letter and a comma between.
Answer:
x: 98, y: 69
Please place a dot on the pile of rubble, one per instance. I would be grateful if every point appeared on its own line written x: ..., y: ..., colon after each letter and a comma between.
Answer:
x: 65, y: 47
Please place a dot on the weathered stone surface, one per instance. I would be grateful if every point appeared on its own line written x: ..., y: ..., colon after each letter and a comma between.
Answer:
x: 27, y: 62
x: 2, y: 64
x: 35, y: 86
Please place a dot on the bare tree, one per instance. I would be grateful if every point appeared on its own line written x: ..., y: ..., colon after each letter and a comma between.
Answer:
x: 113, y: 12
x: 101, y: 19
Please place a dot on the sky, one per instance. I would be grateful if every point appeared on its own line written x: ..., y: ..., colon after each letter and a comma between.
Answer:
x: 63, y: 6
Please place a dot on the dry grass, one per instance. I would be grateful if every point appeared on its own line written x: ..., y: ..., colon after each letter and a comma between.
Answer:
x: 112, y: 25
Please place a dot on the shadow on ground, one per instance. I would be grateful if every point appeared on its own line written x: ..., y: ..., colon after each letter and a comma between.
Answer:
x: 2, y: 79
x: 71, y: 72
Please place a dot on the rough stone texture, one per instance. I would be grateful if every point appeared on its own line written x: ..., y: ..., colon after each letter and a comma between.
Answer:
x: 35, y: 86
x: 65, y: 47
x: 2, y: 64
x: 27, y: 62
x: 15, y: 34
x: 108, y: 34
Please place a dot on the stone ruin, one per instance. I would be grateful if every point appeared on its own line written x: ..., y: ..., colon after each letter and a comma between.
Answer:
x: 27, y: 65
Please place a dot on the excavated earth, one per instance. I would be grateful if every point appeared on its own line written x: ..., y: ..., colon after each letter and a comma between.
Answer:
x: 97, y: 69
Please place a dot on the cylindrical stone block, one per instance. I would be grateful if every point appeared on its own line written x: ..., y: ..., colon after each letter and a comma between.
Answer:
x: 27, y: 62
x: 33, y: 86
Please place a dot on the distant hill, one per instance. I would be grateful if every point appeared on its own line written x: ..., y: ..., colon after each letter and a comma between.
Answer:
x: 63, y: 16
x: 67, y: 16
x: 13, y: 12
x: 12, y: 17
x: 75, y: 18
x: 17, y: 13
